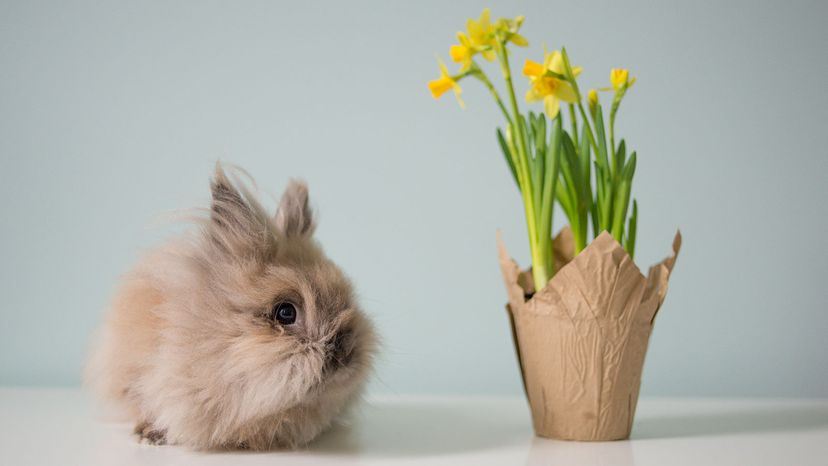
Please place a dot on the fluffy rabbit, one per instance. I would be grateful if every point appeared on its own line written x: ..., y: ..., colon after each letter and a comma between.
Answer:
x: 242, y: 335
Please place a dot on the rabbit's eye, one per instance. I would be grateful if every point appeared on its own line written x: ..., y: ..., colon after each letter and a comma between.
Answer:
x: 284, y: 313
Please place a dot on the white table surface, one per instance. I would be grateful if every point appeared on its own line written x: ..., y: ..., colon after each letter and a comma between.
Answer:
x: 59, y: 426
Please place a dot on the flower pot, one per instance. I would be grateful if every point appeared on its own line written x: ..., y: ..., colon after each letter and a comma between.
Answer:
x: 581, y: 340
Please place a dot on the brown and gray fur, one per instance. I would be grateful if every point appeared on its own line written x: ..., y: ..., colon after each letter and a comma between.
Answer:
x: 189, y: 347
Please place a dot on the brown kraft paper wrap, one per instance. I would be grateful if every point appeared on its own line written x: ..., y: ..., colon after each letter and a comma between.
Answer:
x: 581, y: 340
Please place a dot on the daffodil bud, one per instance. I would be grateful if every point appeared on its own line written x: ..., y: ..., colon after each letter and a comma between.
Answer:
x: 592, y: 98
x: 619, y: 77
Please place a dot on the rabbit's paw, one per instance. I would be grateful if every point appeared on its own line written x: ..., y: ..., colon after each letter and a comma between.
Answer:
x: 150, y: 435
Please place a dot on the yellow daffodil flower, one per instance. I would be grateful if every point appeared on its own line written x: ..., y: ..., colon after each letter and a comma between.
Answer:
x: 549, y: 88
x: 592, y: 98
x: 620, y: 77
x: 481, y: 38
x: 481, y: 34
x: 445, y: 82
x: 463, y: 52
x: 509, y: 28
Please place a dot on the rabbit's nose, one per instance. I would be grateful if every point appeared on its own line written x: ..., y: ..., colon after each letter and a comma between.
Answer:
x: 340, y: 349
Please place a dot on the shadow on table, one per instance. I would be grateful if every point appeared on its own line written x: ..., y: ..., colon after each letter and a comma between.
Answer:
x: 424, y: 429
x: 744, y: 420
x: 545, y: 452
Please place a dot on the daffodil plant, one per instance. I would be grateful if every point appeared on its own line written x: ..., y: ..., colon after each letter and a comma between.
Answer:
x: 549, y: 160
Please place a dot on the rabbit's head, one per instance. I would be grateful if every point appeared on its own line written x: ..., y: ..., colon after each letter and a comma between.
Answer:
x: 270, y: 343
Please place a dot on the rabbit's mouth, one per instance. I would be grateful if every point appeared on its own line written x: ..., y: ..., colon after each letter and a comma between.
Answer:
x: 343, y: 365
x: 339, y: 352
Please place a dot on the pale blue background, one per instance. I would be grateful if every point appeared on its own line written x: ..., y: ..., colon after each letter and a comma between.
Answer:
x: 113, y: 113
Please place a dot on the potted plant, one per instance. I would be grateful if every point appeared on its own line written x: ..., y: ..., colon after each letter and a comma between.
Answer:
x: 582, y: 314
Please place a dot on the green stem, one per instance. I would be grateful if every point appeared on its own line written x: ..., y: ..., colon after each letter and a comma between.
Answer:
x: 612, y: 144
x: 481, y: 75
x: 616, y: 102
x: 507, y: 76
x: 574, y: 125
x: 572, y: 81
x: 540, y: 274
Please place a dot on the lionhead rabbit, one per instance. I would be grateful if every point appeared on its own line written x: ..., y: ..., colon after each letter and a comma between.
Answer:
x: 242, y: 334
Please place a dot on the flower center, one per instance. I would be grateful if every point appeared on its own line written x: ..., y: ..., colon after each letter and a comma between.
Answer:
x: 546, y: 85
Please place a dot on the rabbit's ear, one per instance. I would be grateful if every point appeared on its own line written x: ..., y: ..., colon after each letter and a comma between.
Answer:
x: 237, y: 223
x: 294, y: 217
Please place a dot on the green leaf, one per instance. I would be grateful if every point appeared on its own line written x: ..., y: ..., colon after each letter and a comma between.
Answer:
x: 620, y: 209
x: 507, y: 154
x: 540, y: 135
x: 535, y: 165
x: 600, y: 206
x: 632, y: 230
x: 584, y: 170
x: 528, y: 128
x: 539, y: 143
x: 620, y: 156
x: 629, y: 169
x: 601, y: 137
x: 594, y: 215
x: 562, y: 194
x: 524, y: 184
x: 553, y: 155
x: 571, y: 171
x: 574, y: 123
x: 524, y: 133
x: 606, y: 214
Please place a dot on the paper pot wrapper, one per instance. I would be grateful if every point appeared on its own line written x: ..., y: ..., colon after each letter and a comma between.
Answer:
x: 581, y: 340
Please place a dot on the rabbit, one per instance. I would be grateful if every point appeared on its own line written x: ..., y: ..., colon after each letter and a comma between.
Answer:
x: 241, y: 334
